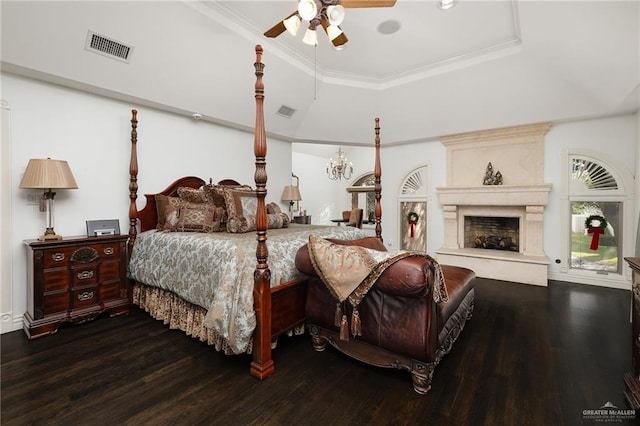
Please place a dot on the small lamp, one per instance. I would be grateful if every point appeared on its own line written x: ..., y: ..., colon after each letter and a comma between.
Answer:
x: 48, y: 174
x: 291, y: 193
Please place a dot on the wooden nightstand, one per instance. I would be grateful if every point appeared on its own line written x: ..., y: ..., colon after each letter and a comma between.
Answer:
x: 305, y: 220
x: 74, y: 280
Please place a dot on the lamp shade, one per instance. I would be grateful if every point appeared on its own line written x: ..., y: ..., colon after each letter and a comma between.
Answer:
x: 310, y: 37
x: 335, y: 14
x: 292, y: 24
x: 307, y: 9
x: 291, y: 193
x: 48, y: 174
x: 333, y: 31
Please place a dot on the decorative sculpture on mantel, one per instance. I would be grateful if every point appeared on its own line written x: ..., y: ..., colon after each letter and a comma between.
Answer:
x: 490, y: 178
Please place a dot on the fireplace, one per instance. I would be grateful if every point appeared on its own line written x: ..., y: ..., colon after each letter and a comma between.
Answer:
x: 478, y: 218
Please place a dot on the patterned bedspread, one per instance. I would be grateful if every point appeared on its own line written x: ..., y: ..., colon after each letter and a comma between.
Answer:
x: 215, y: 270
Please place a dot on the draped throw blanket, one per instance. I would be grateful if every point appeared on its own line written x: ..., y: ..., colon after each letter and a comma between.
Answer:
x: 349, y: 272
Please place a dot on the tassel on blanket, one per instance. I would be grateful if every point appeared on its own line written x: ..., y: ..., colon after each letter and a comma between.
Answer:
x: 338, y: 316
x: 356, y: 327
x: 344, y: 328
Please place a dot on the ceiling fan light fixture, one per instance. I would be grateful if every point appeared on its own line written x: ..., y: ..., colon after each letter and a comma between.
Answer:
x: 310, y: 37
x: 335, y: 14
x: 333, y: 31
x: 292, y: 24
x: 307, y: 9
x: 446, y: 4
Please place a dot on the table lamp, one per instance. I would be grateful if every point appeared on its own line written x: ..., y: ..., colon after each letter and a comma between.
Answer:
x: 48, y: 174
x: 291, y: 193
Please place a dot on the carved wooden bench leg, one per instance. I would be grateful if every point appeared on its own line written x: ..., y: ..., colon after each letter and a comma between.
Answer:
x: 319, y: 343
x: 422, y: 376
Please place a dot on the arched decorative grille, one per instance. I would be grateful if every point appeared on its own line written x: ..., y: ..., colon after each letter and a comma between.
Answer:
x: 415, y: 183
x: 592, y: 175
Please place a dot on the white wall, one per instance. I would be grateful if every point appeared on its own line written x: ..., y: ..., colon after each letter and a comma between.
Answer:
x: 616, y: 137
x: 323, y: 198
x: 93, y: 134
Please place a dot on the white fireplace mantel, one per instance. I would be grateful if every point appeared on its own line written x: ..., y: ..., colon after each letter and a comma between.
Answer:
x: 495, y: 195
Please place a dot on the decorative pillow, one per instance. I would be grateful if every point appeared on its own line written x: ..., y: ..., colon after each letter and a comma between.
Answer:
x: 194, y: 217
x: 192, y: 195
x: 241, y: 224
x: 162, y: 201
x: 240, y: 202
x: 285, y: 219
x: 215, y: 193
x: 273, y: 208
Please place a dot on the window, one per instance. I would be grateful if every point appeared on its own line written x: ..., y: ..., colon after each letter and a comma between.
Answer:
x: 599, y: 218
x: 596, y: 248
x: 413, y: 211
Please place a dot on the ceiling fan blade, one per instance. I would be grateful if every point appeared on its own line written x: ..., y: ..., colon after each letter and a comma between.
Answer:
x: 340, y: 41
x: 367, y: 3
x: 278, y: 28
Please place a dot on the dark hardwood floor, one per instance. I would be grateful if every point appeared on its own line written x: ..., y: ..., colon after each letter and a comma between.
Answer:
x: 529, y: 356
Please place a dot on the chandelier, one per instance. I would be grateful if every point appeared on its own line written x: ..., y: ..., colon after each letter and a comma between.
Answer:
x: 327, y: 14
x: 340, y: 167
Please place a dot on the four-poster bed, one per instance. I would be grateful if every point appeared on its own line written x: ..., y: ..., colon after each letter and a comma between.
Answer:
x: 277, y: 291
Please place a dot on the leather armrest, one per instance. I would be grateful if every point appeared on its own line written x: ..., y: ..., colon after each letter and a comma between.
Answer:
x: 408, y: 277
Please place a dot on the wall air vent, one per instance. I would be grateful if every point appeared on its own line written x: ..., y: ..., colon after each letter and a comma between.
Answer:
x: 107, y: 47
x: 286, y: 111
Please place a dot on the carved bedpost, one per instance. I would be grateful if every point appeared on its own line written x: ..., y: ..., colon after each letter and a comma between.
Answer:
x: 262, y: 364
x: 133, y: 182
x: 377, y: 174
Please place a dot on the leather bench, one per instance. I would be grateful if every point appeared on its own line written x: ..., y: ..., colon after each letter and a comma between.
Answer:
x: 401, y: 324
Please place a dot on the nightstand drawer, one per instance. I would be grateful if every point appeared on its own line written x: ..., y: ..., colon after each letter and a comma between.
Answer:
x: 84, y: 274
x: 55, y: 279
x: 87, y: 296
x: 109, y: 271
x: 110, y: 291
x: 57, y: 258
x: 111, y: 251
x: 55, y: 302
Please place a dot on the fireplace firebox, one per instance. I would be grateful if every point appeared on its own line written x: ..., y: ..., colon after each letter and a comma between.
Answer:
x: 492, y: 233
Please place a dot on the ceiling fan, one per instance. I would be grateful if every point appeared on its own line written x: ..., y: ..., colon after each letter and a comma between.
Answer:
x: 327, y: 14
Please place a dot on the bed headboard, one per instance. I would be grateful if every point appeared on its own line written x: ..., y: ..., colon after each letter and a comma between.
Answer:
x: 148, y: 216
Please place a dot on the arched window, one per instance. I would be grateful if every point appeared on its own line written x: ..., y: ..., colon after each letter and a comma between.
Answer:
x: 363, y: 195
x: 600, y: 211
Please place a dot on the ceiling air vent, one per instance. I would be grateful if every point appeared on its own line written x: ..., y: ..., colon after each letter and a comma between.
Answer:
x: 286, y: 111
x: 107, y: 47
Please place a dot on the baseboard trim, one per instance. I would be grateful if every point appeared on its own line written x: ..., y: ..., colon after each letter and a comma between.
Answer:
x: 9, y: 323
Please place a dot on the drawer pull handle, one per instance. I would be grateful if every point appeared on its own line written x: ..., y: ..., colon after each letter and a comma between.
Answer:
x: 57, y: 257
x: 87, y: 295
x: 85, y: 275
x: 108, y: 251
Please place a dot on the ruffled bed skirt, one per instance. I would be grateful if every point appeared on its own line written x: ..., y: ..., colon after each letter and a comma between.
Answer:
x: 179, y: 314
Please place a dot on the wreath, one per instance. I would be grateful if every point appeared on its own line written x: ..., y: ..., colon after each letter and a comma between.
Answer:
x: 412, y: 217
x: 588, y: 223
x: 595, y: 231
